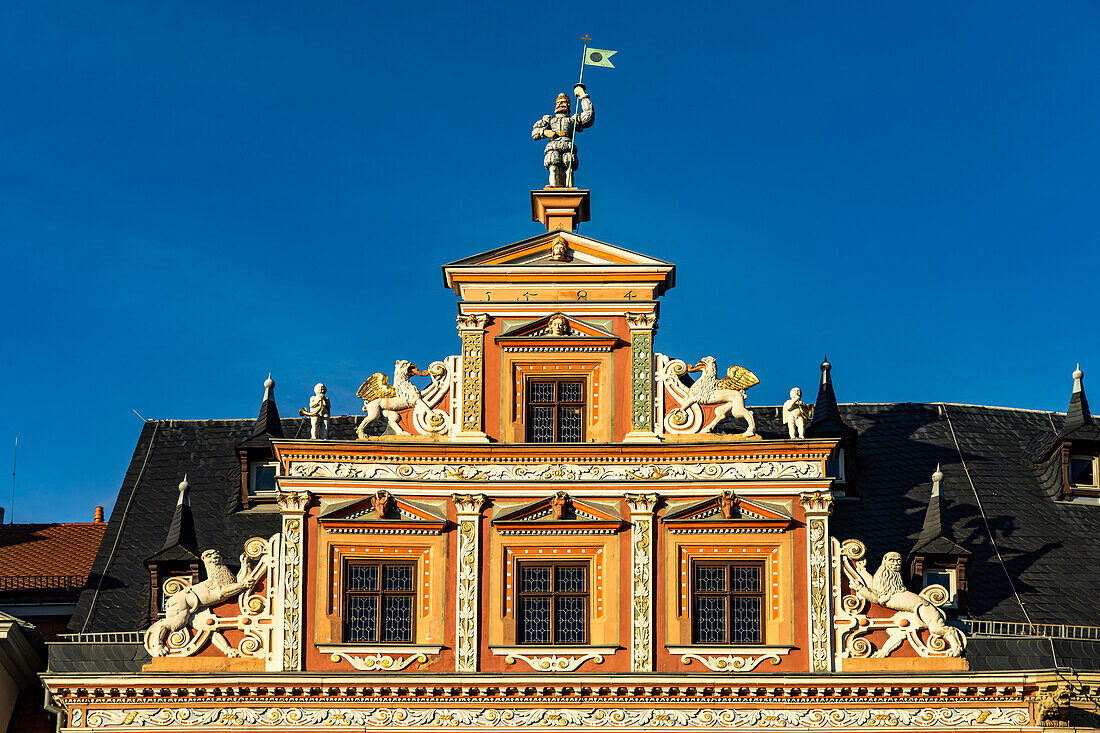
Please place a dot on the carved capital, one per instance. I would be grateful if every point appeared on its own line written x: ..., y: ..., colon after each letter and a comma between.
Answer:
x: 641, y: 321
x: 472, y: 321
x: 293, y: 502
x: 468, y: 503
x: 815, y: 502
x: 641, y: 503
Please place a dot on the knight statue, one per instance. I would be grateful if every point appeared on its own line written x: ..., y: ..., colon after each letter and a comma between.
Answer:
x: 560, y: 155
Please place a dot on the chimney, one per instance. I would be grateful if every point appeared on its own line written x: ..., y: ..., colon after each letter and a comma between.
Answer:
x: 99, y: 515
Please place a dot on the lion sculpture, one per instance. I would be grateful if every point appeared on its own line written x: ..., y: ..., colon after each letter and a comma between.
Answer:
x: 887, y: 589
x: 728, y: 393
x: 191, y: 604
x: 381, y: 398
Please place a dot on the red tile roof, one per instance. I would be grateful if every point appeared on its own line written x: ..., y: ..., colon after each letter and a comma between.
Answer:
x: 49, y: 549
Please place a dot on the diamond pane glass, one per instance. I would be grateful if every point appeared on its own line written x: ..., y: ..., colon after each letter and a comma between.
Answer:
x: 362, y: 577
x: 710, y: 619
x: 536, y: 580
x: 745, y: 621
x: 362, y: 620
x: 397, y: 618
x: 571, y: 392
x: 570, y: 580
x: 570, y: 425
x: 542, y: 391
x: 710, y: 579
x: 535, y: 621
x: 399, y: 577
x: 542, y: 424
x: 745, y: 580
x: 570, y: 621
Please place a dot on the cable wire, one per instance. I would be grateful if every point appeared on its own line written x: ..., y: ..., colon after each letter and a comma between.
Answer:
x: 121, y: 526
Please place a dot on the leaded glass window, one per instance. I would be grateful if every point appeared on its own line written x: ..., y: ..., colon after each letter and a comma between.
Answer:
x: 727, y: 603
x: 379, y: 602
x: 553, y: 604
x: 555, y: 411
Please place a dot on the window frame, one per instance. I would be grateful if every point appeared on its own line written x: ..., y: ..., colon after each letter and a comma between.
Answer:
x: 253, y: 469
x: 761, y: 596
x: 380, y: 594
x: 952, y: 584
x: 1084, y: 457
x: 521, y: 596
x: 556, y: 406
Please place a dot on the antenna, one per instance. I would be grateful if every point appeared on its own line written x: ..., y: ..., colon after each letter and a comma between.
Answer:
x: 14, y: 463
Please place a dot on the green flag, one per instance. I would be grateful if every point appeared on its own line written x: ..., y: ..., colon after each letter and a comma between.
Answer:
x: 599, y: 57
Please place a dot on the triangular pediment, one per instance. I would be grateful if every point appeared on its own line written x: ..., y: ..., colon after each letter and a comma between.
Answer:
x: 728, y: 510
x: 545, y: 250
x: 556, y: 325
x: 558, y: 514
x: 383, y: 512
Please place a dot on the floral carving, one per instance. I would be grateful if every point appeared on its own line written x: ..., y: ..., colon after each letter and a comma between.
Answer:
x: 379, y: 662
x: 390, y: 716
x: 468, y: 508
x: 730, y: 663
x: 554, y: 663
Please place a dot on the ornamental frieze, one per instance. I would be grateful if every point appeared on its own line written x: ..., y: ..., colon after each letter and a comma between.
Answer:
x: 564, y: 472
x: 829, y: 718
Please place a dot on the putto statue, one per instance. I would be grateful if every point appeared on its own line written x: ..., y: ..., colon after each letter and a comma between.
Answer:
x: 728, y: 393
x: 318, y: 413
x: 381, y: 398
x: 795, y: 415
x: 191, y: 604
x: 887, y: 589
x: 560, y: 155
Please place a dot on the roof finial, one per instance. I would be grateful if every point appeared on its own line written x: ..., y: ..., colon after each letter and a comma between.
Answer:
x: 937, y: 477
x: 185, y: 489
x: 1078, y: 379
x: 825, y: 367
x: 269, y: 387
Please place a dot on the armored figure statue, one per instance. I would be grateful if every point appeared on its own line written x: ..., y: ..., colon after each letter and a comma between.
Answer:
x: 560, y: 156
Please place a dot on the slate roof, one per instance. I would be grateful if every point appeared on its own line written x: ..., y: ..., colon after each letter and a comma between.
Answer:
x: 1050, y: 548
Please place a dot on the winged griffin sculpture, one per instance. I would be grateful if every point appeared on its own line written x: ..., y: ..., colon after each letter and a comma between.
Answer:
x: 728, y: 393
x: 381, y: 398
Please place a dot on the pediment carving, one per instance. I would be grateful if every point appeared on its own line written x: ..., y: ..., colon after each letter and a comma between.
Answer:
x: 728, y: 512
x: 558, y: 513
x: 381, y: 512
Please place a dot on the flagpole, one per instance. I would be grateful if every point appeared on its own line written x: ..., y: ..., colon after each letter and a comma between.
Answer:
x: 572, y: 144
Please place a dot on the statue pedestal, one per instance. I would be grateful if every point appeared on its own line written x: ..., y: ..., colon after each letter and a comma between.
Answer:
x: 559, y: 208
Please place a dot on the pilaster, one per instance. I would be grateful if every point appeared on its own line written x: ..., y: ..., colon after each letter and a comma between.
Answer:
x: 292, y: 506
x: 468, y: 511
x: 642, y: 327
x: 641, y: 594
x: 471, y: 417
x: 818, y: 506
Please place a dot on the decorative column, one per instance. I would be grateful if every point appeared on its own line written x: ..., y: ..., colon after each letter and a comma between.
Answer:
x: 641, y: 593
x: 471, y: 413
x: 642, y: 327
x: 468, y: 509
x: 293, y: 508
x: 818, y: 507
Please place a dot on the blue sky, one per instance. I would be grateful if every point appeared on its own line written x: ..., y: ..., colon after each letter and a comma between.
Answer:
x: 194, y: 194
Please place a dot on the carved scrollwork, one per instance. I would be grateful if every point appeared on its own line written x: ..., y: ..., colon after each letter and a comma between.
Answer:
x: 554, y: 663
x: 729, y: 662
x: 379, y: 662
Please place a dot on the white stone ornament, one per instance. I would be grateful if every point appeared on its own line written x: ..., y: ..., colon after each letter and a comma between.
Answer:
x: 189, y: 624
x: 381, y: 399
x: 796, y: 414
x: 728, y: 393
x: 914, y: 612
x: 318, y: 412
